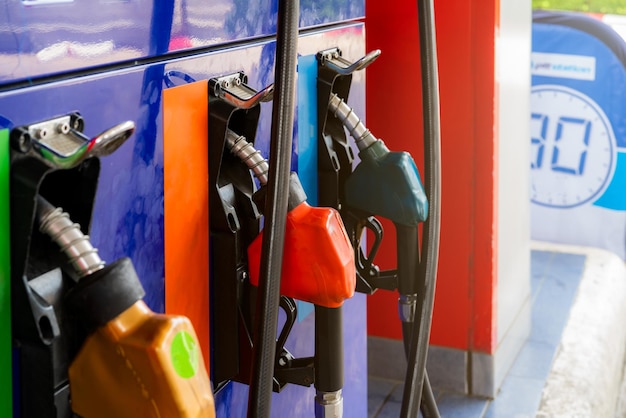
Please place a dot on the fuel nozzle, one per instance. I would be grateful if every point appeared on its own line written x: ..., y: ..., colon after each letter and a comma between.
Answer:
x: 318, y: 267
x: 393, y: 184
x: 318, y: 263
x: 387, y: 184
x: 134, y: 362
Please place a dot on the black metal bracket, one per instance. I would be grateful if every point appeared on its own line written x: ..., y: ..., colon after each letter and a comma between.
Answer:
x: 233, y: 105
x: 45, y: 336
x: 233, y: 224
x: 335, y: 158
x: 288, y: 369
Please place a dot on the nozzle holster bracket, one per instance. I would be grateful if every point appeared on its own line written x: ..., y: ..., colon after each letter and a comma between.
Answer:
x: 44, y: 332
x: 233, y: 224
x: 233, y: 105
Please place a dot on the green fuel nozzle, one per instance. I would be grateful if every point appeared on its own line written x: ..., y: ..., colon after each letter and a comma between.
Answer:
x: 387, y: 184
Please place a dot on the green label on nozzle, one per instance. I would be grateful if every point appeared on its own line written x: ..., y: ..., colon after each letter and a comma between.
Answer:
x: 185, y: 355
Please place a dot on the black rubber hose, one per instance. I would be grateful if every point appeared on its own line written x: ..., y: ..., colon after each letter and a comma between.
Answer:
x: 428, y: 405
x: 268, y: 299
x: 430, y: 244
x: 408, y: 281
x: 408, y: 258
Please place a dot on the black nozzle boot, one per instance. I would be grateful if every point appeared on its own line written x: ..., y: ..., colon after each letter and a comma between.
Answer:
x: 103, y: 295
x: 296, y: 194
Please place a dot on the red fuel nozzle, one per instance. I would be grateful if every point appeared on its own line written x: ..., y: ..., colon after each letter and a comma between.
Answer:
x: 318, y: 259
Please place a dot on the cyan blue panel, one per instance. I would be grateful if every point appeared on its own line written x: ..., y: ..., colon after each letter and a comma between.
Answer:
x: 43, y: 37
x: 307, y: 141
x: 128, y: 214
x: 307, y: 126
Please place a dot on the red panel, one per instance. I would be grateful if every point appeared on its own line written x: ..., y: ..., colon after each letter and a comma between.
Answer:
x: 464, y: 304
x: 396, y: 77
x: 187, y: 206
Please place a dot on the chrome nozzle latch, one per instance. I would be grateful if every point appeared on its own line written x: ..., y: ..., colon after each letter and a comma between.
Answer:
x: 61, y: 144
x: 233, y: 89
x: 332, y: 58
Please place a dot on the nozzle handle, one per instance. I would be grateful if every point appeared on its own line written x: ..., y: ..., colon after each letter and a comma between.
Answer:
x: 328, y: 349
x: 408, y: 259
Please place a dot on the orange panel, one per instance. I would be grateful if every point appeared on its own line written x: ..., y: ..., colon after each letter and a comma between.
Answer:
x: 187, y: 206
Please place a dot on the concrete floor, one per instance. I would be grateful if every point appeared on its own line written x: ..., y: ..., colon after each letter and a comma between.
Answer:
x: 571, y: 365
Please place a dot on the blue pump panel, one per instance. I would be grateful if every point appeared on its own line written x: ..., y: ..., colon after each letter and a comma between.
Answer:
x: 44, y: 37
x: 578, y: 132
x: 128, y: 218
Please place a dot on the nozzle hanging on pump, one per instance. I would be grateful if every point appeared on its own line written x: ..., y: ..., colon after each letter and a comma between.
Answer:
x: 150, y: 364
x: 393, y: 184
x: 318, y: 261
x: 318, y: 267
x: 394, y: 191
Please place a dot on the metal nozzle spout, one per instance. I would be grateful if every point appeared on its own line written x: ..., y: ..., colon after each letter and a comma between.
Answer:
x: 76, y: 245
x: 362, y: 136
x: 249, y: 155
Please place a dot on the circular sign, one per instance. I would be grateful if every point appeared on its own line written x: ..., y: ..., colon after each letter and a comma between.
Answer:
x: 573, y: 147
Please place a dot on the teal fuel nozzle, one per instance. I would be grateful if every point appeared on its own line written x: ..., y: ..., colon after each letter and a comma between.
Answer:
x: 385, y: 183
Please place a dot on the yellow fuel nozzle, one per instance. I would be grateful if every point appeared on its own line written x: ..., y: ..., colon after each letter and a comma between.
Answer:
x: 135, y: 363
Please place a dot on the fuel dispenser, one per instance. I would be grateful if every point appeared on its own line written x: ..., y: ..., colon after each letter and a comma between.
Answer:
x: 385, y: 184
x: 84, y: 340
x: 317, y: 262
